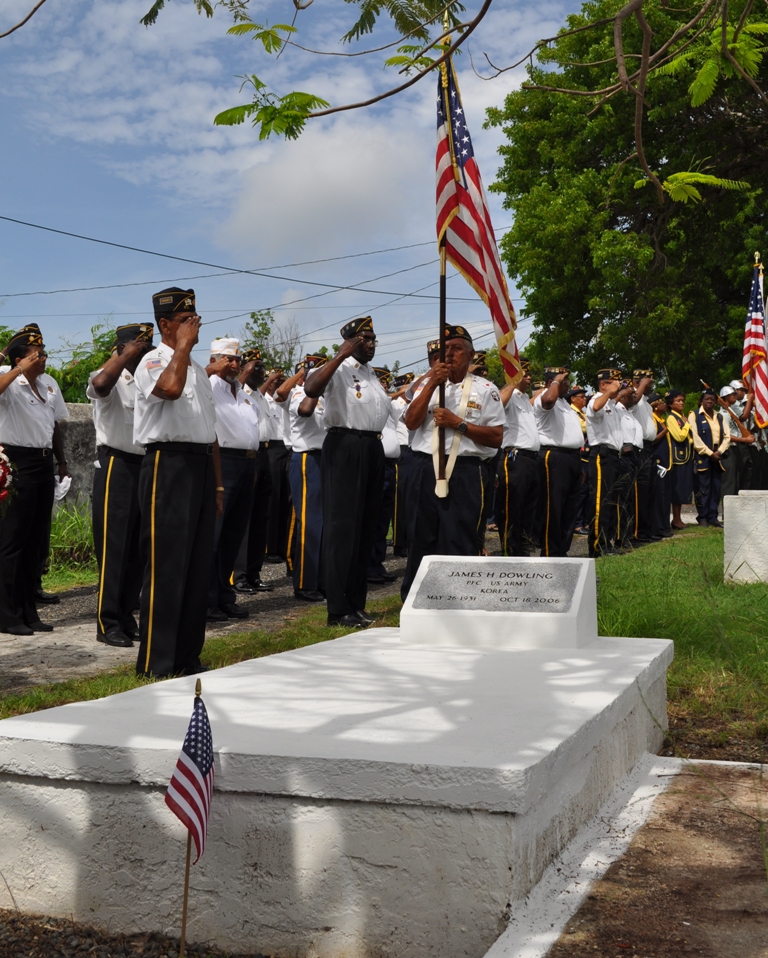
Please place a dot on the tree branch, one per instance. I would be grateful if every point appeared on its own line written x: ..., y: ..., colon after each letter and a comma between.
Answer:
x: 640, y: 101
x: 732, y: 59
x: 415, y: 79
x: 21, y: 23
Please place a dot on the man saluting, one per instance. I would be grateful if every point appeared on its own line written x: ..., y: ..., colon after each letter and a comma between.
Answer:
x: 356, y: 408
x: 180, y: 490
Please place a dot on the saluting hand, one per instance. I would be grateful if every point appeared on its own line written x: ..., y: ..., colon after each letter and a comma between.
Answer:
x: 217, y: 366
x: 349, y: 346
x: 136, y: 347
x: 28, y: 362
x: 614, y: 387
x: 188, y: 332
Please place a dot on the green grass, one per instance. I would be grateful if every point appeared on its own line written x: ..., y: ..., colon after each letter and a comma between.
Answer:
x: 306, y: 628
x: 675, y: 590
x: 72, y: 561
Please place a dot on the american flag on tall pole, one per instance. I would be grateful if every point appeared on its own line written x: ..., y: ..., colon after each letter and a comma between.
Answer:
x: 754, y: 361
x: 464, y: 222
x: 189, y: 792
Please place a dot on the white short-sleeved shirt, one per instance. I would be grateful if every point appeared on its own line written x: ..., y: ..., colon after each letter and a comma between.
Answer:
x: 307, y: 432
x: 113, y: 414
x: 644, y: 415
x: 558, y: 426
x: 604, y: 425
x: 190, y: 418
x: 280, y: 411
x: 399, y: 406
x: 355, y: 399
x: 25, y: 420
x: 271, y: 421
x: 631, y: 430
x: 389, y: 438
x: 484, y: 408
x: 520, y: 430
x: 237, y: 420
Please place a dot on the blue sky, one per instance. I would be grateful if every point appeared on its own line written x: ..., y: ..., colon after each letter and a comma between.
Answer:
x: 107, y: 131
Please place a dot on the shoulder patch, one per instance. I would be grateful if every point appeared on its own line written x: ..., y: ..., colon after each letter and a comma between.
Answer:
x: 153, y: 363
x: 495, y: 395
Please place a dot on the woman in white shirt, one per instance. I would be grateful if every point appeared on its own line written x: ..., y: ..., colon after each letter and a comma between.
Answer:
x: 31, y: 405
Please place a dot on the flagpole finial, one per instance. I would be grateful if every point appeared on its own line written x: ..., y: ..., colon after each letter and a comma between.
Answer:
x: 757, y: 258
x: 198, y: 687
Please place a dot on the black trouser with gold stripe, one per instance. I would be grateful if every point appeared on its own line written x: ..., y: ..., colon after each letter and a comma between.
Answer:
x: 560, y: 488
x: 116, y: 527
x: 517, y: 496
x: 353, y: 479
x: 628, y: 516
x: 386, y: 513
x: 177, y: 492
x: 238, y: 470
x: 403, y: 467
x: 24, y: 533
x: 307, y: 494
x: 280, y: 509
x: 603, y: 475
x: 443, y: 526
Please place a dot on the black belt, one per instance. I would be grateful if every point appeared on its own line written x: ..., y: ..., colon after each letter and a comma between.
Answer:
x: 365, y: 433
x: 273, y: 442
x: 459, y: 459
x: 648, y: 443
x: 201, y: 448
x: 238, y: 453
x: 604, y: 449
x: 26, y: 452
x: 133, y: 457
x: 565, y: 449
x: 516, y: 451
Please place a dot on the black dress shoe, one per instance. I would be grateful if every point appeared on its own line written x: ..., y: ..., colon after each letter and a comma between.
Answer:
x: 376, y: 579
x: 350, y: 619
x: 717, y: 524
x: 118, y: 639
x: 273, y: 559
x: 309, y: 595
x: 667, y: 534
x: 49, y: 598
x: 258, y: 586
x: 194, y: 670
x: 132, y: 633
x: 363, y: 616
x: 233, y: 611
x: 389, y: 576
x: 242, y: 586
x: 19, y: 630
x: 39, y: 626
x: 213, y: 614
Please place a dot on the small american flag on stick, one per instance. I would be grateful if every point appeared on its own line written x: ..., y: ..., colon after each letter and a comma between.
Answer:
x: 754, y: 362
x: 191, y: 786
x: 463, y: 219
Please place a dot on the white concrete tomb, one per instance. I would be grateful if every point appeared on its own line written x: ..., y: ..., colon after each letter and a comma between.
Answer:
x: 373, y: 797
x: 745, y: 545
x: 501, y: 603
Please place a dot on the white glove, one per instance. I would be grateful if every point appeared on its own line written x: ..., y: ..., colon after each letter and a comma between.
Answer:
x: 661, y: 470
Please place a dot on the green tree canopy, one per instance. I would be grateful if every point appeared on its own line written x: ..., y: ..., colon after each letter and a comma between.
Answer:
x: 612, y: 276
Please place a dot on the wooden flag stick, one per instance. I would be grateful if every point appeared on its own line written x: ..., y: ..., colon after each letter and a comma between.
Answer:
x: 182, y: 947
x: 441, y: 388
x: 183, y: 944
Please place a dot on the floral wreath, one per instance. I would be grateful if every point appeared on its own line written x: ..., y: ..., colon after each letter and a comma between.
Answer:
x: 6, y: 478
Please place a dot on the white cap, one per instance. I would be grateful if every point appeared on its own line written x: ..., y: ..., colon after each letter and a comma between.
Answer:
x: 225, y: 347
x: 727, y: 391
x: 736, y: 384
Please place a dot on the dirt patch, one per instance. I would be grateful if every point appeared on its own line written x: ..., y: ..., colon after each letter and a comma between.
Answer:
x: 714, y: 739
x: 693, y: 881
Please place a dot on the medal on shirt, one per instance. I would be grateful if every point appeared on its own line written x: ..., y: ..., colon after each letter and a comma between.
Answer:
x: 357, y: 390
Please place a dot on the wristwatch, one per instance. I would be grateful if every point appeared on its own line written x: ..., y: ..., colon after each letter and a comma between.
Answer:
x: 462, y: 427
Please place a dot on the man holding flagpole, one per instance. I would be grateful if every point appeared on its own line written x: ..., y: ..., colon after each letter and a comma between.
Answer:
x: 472, y: 422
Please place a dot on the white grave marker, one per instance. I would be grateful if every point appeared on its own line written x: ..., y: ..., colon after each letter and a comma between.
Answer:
x: 501, y: 603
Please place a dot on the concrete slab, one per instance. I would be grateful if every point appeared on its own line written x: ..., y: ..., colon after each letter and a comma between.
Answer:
x: 371, y: 797
x: 745, y: 545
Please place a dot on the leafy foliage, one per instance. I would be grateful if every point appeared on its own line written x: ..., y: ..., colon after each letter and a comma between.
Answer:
x: 284, y: 115
x: 86, y: 358
x: 610, y: 276
x: 202, y: 6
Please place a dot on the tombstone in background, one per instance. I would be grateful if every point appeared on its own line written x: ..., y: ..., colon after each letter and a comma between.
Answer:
x: 745, y: 546
x: 79, y: 437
